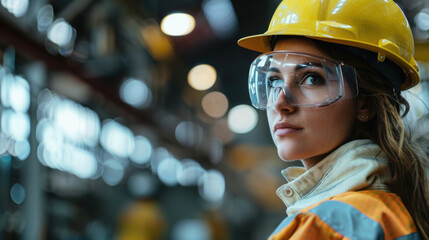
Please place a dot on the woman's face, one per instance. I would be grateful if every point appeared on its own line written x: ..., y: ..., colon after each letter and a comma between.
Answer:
x: 309, y: 133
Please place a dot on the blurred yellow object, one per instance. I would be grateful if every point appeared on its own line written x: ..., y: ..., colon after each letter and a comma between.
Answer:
x: 156, y: 42
x: 142, y: 220
x: 379, y: 26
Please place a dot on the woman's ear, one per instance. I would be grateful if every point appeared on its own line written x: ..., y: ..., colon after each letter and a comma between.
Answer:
x: 363, y: 112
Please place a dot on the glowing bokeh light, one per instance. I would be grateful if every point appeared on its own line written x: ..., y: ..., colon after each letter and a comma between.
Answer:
x: 61, y: 33
x: 17, y: 193
x: 3, y: 143
x: 202, y: 77
x: 142, y: 150
x: 168, y: 171
x: 215, y: 104
x: 211, y: 186
x: 7, y: 83
x: 40, y: 154
x: 177, y: 24
x: 17, y: 7
x: 15, y: 92
x: 22, y: 149
x: 191, y: 229
x: 77, y: 123
x: 421, y: 19
x: 68, y: 134
x: 74, y: 122
x: 242, y: 119
x: 159, y: 154
x: 15, y: 125
x: 191, y: 173
x: 221, y: 17
x: 113, y: 172
x: 49, y: 135
x: 117, y: 139
x: 80, y: 162
x: 136, y: 93
x: 45, y: 17
x: 51, y: 157
x: 188, y: 133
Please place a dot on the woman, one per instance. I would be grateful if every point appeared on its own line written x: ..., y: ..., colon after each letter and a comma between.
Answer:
x: 330, y: 80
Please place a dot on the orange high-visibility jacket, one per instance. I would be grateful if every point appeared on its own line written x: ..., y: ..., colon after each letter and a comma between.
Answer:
x: 363, y: 215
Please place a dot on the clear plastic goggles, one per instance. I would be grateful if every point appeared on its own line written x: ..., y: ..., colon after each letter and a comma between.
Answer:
x: 305, y: 80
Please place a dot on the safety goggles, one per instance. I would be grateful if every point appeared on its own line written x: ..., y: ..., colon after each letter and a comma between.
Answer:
x: 304, y: 80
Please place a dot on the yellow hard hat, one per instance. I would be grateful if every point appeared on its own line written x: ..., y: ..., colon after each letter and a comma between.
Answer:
x: 379, y: 26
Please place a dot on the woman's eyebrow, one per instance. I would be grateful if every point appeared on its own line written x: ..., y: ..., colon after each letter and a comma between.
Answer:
x: 309, y: 64
x: 299, y: 66
x: 274, y: 69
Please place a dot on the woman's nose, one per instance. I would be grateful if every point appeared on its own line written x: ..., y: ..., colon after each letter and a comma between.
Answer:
x: 283, y: 103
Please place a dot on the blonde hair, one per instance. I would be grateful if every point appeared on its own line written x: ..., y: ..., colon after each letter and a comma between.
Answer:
x: 407, y: 161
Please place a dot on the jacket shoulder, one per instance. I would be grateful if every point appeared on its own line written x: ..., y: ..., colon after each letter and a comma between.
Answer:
x: 351, y: 215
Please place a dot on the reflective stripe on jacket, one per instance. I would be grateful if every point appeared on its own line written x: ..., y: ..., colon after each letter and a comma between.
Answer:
x: 352, y: 215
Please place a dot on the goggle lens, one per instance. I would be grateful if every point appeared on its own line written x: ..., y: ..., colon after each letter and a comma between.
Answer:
x: 303, y: 79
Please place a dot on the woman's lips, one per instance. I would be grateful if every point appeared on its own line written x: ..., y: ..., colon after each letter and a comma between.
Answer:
x: 284, y: 128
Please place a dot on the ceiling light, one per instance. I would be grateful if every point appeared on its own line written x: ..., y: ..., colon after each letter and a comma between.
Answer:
x: 202, y: 77
x: 17, y: 7
x: 221, y: 16
x: 136, y: 93
x: 215, y: 104
x: 61, y: 33
x: 242, y: 119
x: 178, y: 24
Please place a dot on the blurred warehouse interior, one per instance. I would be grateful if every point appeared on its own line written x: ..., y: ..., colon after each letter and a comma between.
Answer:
x: 130, y: 119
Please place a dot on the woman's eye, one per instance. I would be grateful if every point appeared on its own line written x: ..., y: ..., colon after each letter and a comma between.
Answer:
x: 313, y: 79
x: 275, y: 81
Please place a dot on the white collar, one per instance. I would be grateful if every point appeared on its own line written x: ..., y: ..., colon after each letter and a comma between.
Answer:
x: 356, y: 165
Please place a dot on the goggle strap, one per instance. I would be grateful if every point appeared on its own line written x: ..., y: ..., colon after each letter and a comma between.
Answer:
x: 388, y: 69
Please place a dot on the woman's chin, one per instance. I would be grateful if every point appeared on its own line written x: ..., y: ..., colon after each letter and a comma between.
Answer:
x: 287, y: 157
